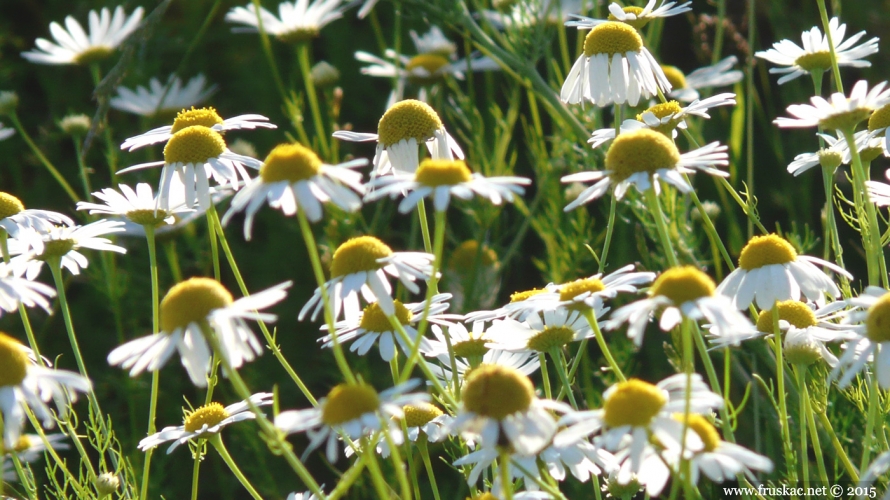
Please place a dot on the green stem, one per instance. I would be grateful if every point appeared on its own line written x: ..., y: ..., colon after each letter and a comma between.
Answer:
x: 610, y: 229
x: 84, y: 171
x: 348, y: 479
x: 397, y: 463
x: 217, y: 443
x: 871, y: 238
x: 562, y: 370
x: 425, y: 456
x: 110, y: 145
x: 802, y: 422
x: 838, y: 83
x: 545, y: 375
x: 196, y: 472
x: 13, y: 117
x: 73, y: 481
x: 306, y: 69
x: 604, y: 347
x: 214, y: 248
x: 155, y: 376
x: 377, y: 479
x: 873, y: 403
x: 661, y: 225
x: 23, y: 312
x: 838, y: 447
x: 424, y: 227
x: 780, y: 387
x: 725, y: 420
x: 814, y: 435
x: 506, y: 483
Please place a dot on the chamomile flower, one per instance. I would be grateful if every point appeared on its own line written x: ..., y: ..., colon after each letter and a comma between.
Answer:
x: 465, y: 343
x: 14, y: 217
x: 641, y: 158
x: 814, y: 57
x: 838, y: 112
x: 297, y: 21
x: 138, y: 206
x: 879, y: 192
x: 470, y: 355
x: 25, y: 384
x: 205, y: 421
x: 63, y: 243
x: 638, y: 17
x: 685, y: 87
x: 30, y: 447
x: 442, y: 179
x: 870, y: 322
x: 499, y: 406
x: 615, y: 67
x: 162, y: 99
x: 6, y: 132
x: 433, y: 42
x: 74, y: 46
x: 372, y: 326
x: 361, y: 265
x: 294, y: 178
x: 518, y: 308
x: 355, y: 410
x: 422, y: 69
x: 771, y: 270
x: 422, y: 421
x: 719, y: 460
x: 195, y: 154
x: 207, y: 117
x: 541, y: 333
x: 406, y: 125
x: 835, y: 153
x: 681, y: 292
x: 525, y: 14
x: 191, y: 310
x: 879, y: 126
x: 15, y: 290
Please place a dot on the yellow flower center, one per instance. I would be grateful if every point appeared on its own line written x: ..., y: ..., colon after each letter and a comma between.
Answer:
x: 13, y: 361
x: 846, y: 120
x: 877, y: 323
x: 815, y: 62
x: 195, y: 144
x: 432, y: 63
x: 93, y: 54
x: 290, y: 162
x: 375, y: 320
x: 496, y: 392
x: 206, y: 117
x: 472, y: 349
x: 348, y: 402
x: 147, y: 217
x: 633, y: 402
x: 191, y: 301
x: 520, y: 296
x: 676, y: 77
x: 552, y: 337
x: 683, y: 284
x: 802, y: 349
x: 705, y: 430
x: 612, y: 38
x: 831, y: 159
x: 9, y: 205
x: 211, y: 414
x: 357, y: 255
x: 663, y: 110
x: 420, y: 414
x: 408, y: 119
x: 642, y: 150
x: 637, y: 23
x: 879, y: 119
x: 56, y: 248
x: 766, y: 250
x: 435, y: 173
x: 22, y: 445
x: 571, y: 290
x: 795, y: 312
x: 299, y: 35
x: 465, y: 256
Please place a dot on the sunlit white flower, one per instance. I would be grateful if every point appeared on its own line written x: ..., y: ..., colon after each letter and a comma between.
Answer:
x: 433, y: 41
x: 74, y: 46
x: 15, y: 290
x: 403, y: 128
x: 14, y: 217
x: 526, y: 13
x: 205, y: 421
x: 814, y: 56
x: 838, y: 112
x: 361, y: 265
x: 770, y: 270
x: 879, y: 192
x: 159, y: 98
x: 638, y: 17
x: 63, y: 243
x: 518, y: 308
x: 355, y: 410
x: 422, y: 69
x: 190, y: 311
x: 543, y: 333
x: 835, y: 153
x: 181, y: 221
x: 207, y: 117
x: 297, y: 21
x: 872, y: 343
x: 307, y: 495
x: 139, y: 206
x: 6, y: 132
x: 24, y: 384
x: 685, y: 87
x: 422, y: 421
x: 470, y: 356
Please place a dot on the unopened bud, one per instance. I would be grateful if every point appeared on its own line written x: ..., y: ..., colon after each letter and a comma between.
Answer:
x: 106, y: 484
x: 324, y: 74
x: 75, y: 125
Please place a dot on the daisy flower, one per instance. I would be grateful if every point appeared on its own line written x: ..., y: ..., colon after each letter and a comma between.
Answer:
x: 422, y: 69
x: 372, y: 326
x: 815, y: 57
x: 137, y: 206
x: 526, y: 14
x: 422, y: 421
x: 442, y: 179
x: 30, y: 447
x: 878, y: 126
x: 470, y: 355
x: 879, y: 192
x: 870, y: 322
x: 205, y: 422
x: 63, y: 243
x: 838, y: 112
x: 25, y: 384
x: 15, y: 290
x: 161, y: 99
x: 297, y: 21
x: 294, y: 178
x: 638, y: 17
x: 499, y: 407
x: 362, y: 264
x: 5, y: 132
x: 681, y: 292
x: 14, y: 217
x: 433, y: 41
x: 685, y: 87
x: 643, y: 157
x: 74, y: 46
x: 771, y: 270
x: 404, y: 126
x: 191, y: 310
x: 354, y: 410
x: 539, y: 334
x: 835, y: 153
x: 207, y: 117
x: 195, y: 154
x: 615, y: 67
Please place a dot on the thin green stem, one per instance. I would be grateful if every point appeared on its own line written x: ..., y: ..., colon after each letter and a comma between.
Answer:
x: 397, y: 463
x: 871, y: 235
x: 801, y: 371
x: 196, y: 472
x: 155, y: 376
x: 604, y: 347
x: 661, y: 225
x: 424, y: 227
x: 726, y: 423
x: 110, y: 145
x: 838, y: 447
x: 562, y: 371
x: 23, y: 312
x: 873, y: 403
x: 823, y: 14
x: 814, y: 436
x: 545, y: 375
x: 377, y: 478
x: 306, y: 69
x: 72, y: 480
x: 610, y: 230
x: 84, y: 171
x: 214, y: 248
x: 506, y: 483
x: 13, y: 117
x: 217, y: 443
x: 780, y: 387
x: 425, y: 456
x: 348, y: 479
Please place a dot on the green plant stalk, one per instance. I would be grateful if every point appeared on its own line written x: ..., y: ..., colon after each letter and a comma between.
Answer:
x: 396, y: 457
x: 377, y: 478
x: 838, y: 447
x: 84, y: 174
x: 155, y: 376
x: 749, y: 112
x: 717, y: 50
x: 663, y: 234
x: 870, y: 231
x: 400, y: 329
x: 838, y: 83
x: 710, y: 229
x: 576, y: 361
x: 306, y: 69
x: 562, y: 370
x: 689, y: 369
x: 13, y: 117
x: 110, y: 145
x: 84, y: 457
x: 604, y: 347
x: 873, y: 403
x: 504, y: 468
x: 348, y: 479
x: 610, y: 230
x: 780, y: 387
x: 196, y: 472
x: 545, y: 375
x: 217, y: 443
x: 814, y: 432
x: 745, y: 208
x: 801, y: 371
x: 72, y: 480
x: 725, y: 422
x: 425, y: 456
x: 424, y: 226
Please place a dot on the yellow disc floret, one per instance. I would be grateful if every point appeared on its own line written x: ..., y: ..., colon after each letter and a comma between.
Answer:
x: 205, y: 117
x: 357, y: 255
x: 795, y: 312
x: 473, y: 348
x: 523, y: 295
x: 877, y: 323
x: 683, y: 284
x: 406, y: 120
x: 612, y: 38
x: 664, y: 110
x: 674, y: 76
x: 442, y: 172
x: 56, y: 248
x: 420, y: 414
x: 637, y: 22
x: 348, y: 402
x: 814, y: 62
x: 375, y: 320
x: 290, y: 162
x: 22, y: 445
x: 195, y: 144
x: 497, y: 392
x: 191, y: 301
x: 642, y: 150
x: 633, y: 402
x: 431, y: 63
x: 766, y: 250
x: 552, y: 337
x: 571, y: 290
x: 13, y: 361
x: 148, y: 217
x: 9, y: 205
x: 879, y: 119
x: 209, y: 415
x: 705, y: 430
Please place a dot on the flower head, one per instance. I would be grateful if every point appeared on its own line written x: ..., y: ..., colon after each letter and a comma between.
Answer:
x: 685, y: 87
x: 870, y: 320
x: 63, y: 243
x: 838, y: 112
x: 138, y: 206
x: 188, y: 117
x: 74, y: 46
x: 638, y: 17
x: 14, y: 217
x: 162, y: 99
x: 297, y: 21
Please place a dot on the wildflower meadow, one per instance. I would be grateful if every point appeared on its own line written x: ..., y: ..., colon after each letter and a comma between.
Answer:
x: 444, y: 249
